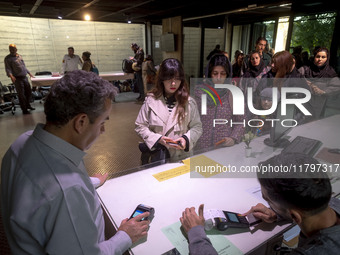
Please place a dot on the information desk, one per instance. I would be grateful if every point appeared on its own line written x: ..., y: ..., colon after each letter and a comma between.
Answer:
x: 48, y: 80
x: 170, y: 197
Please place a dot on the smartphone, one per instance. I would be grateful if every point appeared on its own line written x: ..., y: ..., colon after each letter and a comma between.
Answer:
x: 173, y: 143
x: 142, y: 209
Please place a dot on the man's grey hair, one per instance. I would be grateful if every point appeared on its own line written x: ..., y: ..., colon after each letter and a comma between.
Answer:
x: 75, y: 93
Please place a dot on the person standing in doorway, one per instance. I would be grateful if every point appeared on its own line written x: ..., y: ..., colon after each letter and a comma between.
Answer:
x: 17, y: 71
x: 71, y: 61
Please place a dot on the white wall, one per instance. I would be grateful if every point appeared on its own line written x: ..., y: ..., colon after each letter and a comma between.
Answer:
x: 191, y: 51
x: 44, y: 42
x: 156, y: 39
x: 212, y: 38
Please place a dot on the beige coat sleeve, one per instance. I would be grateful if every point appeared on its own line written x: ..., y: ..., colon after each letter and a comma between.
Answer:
x: 194, y: 124
x: 150, y: 130
x: 154, y: 121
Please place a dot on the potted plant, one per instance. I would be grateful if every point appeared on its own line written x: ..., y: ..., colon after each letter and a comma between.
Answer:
x: 247, y: 137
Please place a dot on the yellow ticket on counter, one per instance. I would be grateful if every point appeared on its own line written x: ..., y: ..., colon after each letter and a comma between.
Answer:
x: 202, y: 162
x: 165, y: 175
x: 205, y: 166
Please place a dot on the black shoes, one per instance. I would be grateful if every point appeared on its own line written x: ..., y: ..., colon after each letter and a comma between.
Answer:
x: 31, y: 108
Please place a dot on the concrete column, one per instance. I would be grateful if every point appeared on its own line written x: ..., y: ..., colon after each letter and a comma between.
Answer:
x: 174, y: 25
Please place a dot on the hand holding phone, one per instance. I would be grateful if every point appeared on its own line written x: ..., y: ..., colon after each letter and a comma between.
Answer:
x: 142, y: 209
x: 176, y: 144
x: 136, y: 228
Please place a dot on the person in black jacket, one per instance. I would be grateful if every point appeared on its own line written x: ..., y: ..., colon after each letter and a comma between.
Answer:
x: 217, y: 50
x: 137, y: 67
x: 16, y: 69
x: 303, y: 197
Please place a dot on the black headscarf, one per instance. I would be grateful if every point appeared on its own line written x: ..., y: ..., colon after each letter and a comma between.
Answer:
x: 218, y: 60
x: 255, y: 71
x: 324, y: 71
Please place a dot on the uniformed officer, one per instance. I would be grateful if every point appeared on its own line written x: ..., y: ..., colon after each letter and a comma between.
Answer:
x: 71, y: 61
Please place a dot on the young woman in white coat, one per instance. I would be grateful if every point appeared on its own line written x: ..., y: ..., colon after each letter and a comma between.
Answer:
x: 169, y: 116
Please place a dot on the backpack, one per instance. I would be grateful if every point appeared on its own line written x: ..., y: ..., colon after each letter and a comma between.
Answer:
x: 94, y: 69
x: 127, y: 66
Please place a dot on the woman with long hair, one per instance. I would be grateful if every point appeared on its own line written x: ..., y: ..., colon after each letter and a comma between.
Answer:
x: 87, y: 65
x: 283, y: 73
x: 169, y: 116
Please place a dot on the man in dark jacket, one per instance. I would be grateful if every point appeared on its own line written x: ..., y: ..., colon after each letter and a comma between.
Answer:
x: 303, y: 196
x: 17, y: 71
x: 137, y: 67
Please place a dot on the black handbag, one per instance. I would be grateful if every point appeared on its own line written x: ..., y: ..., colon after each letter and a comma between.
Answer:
x: 159, y: 154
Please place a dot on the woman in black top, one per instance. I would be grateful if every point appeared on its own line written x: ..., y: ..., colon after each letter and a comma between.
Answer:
x: 320, y: 67
x: 322, y: 79
x: 256, y: 69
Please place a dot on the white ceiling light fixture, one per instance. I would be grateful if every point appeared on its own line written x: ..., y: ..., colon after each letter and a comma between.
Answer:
x: 87, y: 17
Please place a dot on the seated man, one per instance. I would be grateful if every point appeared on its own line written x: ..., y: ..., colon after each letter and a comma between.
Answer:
x: 303, y: 197
x: 49, y: 205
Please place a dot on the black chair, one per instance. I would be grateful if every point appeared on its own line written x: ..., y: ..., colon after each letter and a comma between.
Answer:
x: 8, y: 98
x: 43, y: 90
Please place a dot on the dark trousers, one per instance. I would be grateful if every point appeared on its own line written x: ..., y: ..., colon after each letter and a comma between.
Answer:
x: 24, y: 91
x: 139, y: 82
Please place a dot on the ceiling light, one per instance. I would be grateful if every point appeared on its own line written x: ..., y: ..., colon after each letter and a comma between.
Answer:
x: 87, y: 17
x: 60, y: 17
x: 129, y: 21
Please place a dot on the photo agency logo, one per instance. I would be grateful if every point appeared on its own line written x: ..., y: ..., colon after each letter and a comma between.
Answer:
x: 212, y: 97
x: 289, y: 96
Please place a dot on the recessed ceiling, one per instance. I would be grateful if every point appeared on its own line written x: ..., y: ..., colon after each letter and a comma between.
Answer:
x: 141, y: 11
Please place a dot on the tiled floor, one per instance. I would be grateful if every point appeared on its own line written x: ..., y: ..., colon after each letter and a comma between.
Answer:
x: 115, y: 151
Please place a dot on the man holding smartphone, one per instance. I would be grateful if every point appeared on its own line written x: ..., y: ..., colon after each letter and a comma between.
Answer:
x: 49, y: 205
